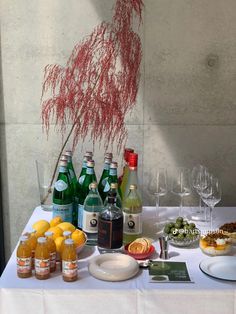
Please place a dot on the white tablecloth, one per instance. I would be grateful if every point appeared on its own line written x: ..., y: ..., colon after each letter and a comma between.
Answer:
x: 137, y: 295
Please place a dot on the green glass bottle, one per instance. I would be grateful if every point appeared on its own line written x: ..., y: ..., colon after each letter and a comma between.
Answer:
x: 112, y: 178
x: 114, y: 190
x: 75, y: 186
x: 63, y: 194
x: 89, y: 178
x: 83, y: 170
x: 132, y: 211
x: 104, y: 178
x: 93, y: 205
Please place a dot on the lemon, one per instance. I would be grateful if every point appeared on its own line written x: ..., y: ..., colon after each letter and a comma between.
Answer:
x: 57, y: 232
x: 41, y: 227
x: 58, y: 241
x: 66, y: 226
x: 55, y: 221
x: 79, y: 237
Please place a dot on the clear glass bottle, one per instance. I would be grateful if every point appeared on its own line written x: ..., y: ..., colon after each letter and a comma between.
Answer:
x: 132, y: 211
x: 132, y: 174
x: 93, y: 205
x: 104, y: 178
x: 89, y: 178
x: 114, y: 189
x: 69, y: 262
x: 42, y: 259
x: 110, y: 227
x: 24, y: 259
x: 63, y: 194
x: 123, y: 179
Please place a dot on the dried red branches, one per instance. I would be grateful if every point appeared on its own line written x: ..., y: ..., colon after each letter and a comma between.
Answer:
x: 99, y: 83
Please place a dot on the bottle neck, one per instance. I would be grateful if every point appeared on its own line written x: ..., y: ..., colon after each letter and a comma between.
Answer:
x: 62, y: 169
x: 84, y: 164
x: 90, y: 170
x: 113, y: 172
x: 106, y: 166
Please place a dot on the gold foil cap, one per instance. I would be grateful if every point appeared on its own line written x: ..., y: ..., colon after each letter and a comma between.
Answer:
x: 93, y: 185
x: 133, y: 187
x: 114, y: 185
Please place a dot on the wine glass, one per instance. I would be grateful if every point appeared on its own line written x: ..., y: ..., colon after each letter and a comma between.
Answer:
x: 158, y: 186
x: 181, y: 185
x: 212, y: 195
x: 200, y: 176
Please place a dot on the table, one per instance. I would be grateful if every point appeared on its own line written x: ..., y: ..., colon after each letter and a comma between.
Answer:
x: 137, y: 295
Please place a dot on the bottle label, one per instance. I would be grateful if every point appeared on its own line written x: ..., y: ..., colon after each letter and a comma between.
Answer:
x: 72, y: 174
x: 113, y: 172
x: 106, y: 166
x: 60, y: 185
x: 63, y: 211
x: 84, y: 164
x: 62, y: 169
x: 42, y: 266
x: 80, y: 215
x: 90, y: 170
x: 90, y: 222
x: 107, y: 186
x: 53, y: 256
x: 104, y: 181
x: 132, y: 223
x: 110, y: 233
x: 81, y: 179
x: 24, y: 265
x: 69, y: 268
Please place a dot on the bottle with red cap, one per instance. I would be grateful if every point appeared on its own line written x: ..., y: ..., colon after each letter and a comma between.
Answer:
x: 124, y: 177
x: 132, y: 174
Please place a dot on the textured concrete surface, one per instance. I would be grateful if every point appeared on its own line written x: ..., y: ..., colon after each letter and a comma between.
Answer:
x: 186, y: 108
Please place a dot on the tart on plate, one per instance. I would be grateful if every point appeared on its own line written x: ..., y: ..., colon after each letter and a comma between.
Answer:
x: 229, y: 229
x: 215, y: 243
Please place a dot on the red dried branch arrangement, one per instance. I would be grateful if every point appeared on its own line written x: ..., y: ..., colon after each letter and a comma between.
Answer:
x: 99, y: 83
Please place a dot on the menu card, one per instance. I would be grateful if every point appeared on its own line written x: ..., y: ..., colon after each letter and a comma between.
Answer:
x: 162, y: 271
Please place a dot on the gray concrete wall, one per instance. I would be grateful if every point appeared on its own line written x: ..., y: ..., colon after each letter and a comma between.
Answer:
x: 185, y: 113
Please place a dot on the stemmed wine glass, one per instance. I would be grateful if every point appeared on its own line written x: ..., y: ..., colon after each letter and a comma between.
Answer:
x: 212, y: 195
x: 181, y: 185
x: 200, y: 177
x: 158, y: 186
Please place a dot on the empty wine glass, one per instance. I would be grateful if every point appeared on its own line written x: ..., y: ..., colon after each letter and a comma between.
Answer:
x: 158, y: 186
x: 200, y: 176
x: 212, y: 195
x: 181, y: 185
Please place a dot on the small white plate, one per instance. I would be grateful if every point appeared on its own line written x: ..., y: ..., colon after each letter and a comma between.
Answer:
x: 220, y: 267
x: 113, y: 267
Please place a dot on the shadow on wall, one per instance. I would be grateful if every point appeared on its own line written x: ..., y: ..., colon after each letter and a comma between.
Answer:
x: 4, y: 198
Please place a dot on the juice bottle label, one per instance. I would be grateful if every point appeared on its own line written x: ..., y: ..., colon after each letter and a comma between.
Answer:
x: 90, y: 222
x: 132, y: 223
x: 80, y: 215
x: 110, y: 233
x: 69, y: 268
x: 23, y: 265
x: 64, y: 211
x: 60, y: 185
x: 42, y: 266
x: 53, y: 256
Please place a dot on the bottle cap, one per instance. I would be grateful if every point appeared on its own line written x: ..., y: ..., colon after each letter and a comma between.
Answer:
x: 69, y: 241
x: 133, y: 187
x: 48, y: 233
x: 127, y: 152
x: 133, y: 160
x: 63, y: 163
x: 114, y: 185
x: 42, y: 240
x: 23, y: 238
x: 107, y: 160
x: 89, y: 154
x: 63, y: 157
x: 66, y: 233
x: 114, y: 165
x: 68, y: 153
x: 93, y: 185
x: 90, y: 163
x: 109, y: 155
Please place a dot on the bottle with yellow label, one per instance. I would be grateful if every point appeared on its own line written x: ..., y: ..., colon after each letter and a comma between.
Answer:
x: 42, y: 259
x: 52, y: 250
x: 24, y: 259
x: 69, y: 261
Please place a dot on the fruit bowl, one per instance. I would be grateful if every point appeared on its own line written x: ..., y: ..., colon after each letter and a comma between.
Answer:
x: 80, y: 247
x: 139, y: 256
x: 185, y: 242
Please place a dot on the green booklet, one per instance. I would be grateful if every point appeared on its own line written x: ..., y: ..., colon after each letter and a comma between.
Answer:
x: 162, y: 271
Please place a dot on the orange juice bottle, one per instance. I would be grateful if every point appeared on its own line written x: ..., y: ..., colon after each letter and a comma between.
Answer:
x: 24, y: 259
x: 66, y: 235
x: 52, y: 250
x: 42, y: 259
x: 32, y: 241
x: 69, y: 261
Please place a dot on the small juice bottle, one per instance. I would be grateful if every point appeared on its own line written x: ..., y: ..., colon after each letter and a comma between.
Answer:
x: 32, y: 241
x: 66, y: 235
x: 69, y: 261
x: 52, y: 250
x: 24, y: 259
x: 42, y: 259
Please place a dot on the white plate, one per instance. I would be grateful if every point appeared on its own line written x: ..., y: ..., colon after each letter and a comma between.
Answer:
x: 220, y: 267
x: 113, y: 267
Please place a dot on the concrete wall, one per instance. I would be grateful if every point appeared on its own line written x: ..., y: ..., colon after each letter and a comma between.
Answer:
x: 186, y: 109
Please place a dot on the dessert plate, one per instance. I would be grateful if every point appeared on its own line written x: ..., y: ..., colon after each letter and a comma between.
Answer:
x: 113, y: 267
x: 220, y: 267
